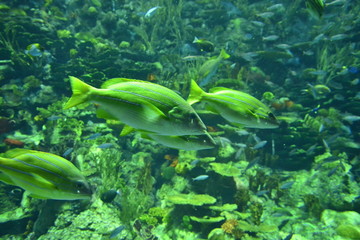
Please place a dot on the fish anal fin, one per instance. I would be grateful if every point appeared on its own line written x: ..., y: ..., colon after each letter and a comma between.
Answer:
x: 127, y: 130
x: 101, y: 113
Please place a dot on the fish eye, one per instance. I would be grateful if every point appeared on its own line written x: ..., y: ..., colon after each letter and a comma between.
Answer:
x: 271, y: 116
x: 81, y: 186
x: 192, y: 117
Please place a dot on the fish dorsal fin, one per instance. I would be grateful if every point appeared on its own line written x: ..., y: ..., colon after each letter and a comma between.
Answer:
x: 18, y: 151
x: 127, y: 130
x: 113, y: 81
x: 218, y: 89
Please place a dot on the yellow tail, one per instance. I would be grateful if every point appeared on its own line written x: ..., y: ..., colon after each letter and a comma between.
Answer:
x: 196, y: 93
x: 80, y: 91
x: 223, y: 54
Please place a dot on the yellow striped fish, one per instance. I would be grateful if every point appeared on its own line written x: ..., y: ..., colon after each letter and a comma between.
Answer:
x: 43, y: 175
x: 144, y: 106
x: 236, y: 107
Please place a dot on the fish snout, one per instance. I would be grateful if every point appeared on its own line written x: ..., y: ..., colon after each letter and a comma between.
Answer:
x: 83, y: 188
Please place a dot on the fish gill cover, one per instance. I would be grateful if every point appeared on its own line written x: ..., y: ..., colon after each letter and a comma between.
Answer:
x: 189, y: 119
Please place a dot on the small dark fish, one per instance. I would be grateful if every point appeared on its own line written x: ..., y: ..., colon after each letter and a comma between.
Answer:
x: 353, y: 70
x: 53, y: 118
x: 282, y: 213
x: 67, y: 152
x: 311, y: 149
x: 318, y: 167
x: 105, y: 145
x: 261, y: 193
x: 283, y: 223
x: 288, y: 237
x: 34, y: 50
x: 351, y: 118
x: 93, y: 136
x: 271, y: 38
x: 109, y: 196
x: 338, y: 37
x: 265, y: 15
x: 318, y: 73
x: 331, y: 159
x: 319, y: 38
x: 201, y: 178
x: 252, y: 163
x: 116, y: 231
x: 203, y: 45
x: 260, y: 144
x: 258, y: 23
x: 314, y: 111
x: 332, y: 171
x: 151, y: 11
x: 287, y: 185
x: 276, y: 7
x: 194, y: 162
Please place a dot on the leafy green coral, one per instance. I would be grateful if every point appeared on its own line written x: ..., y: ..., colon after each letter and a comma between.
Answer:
x: 225, y: 169
x: 207, y: 219
x: 191, y: 199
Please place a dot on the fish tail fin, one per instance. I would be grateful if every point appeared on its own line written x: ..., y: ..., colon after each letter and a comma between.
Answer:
x: 80, y: 92
x: 224, y: 54
x: 196, y: 93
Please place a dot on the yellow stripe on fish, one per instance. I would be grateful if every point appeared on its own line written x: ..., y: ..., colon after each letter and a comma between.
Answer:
x: 236, y: 107
x: 43, y: 175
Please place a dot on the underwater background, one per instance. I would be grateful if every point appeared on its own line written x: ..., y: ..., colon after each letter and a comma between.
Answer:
x: 298, y: 180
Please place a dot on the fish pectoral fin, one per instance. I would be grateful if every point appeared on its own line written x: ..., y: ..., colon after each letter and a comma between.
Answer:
x: 101, y: 113
x: 36, y: 196
x: 151, y: 112
x: 211, y: 109
x: 127, y: 130
x: 239, y: 125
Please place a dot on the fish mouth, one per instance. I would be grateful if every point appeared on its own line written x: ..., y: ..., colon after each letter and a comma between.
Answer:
x: 210, y: 138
